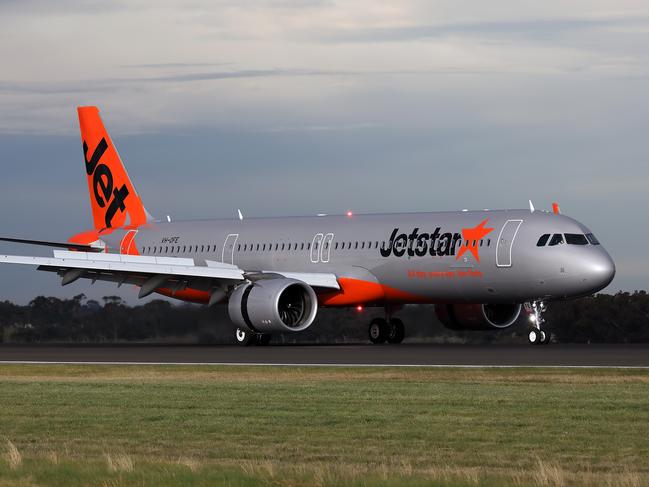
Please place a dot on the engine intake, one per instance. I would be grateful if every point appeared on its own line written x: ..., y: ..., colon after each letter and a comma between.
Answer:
x: 477, y: 316
x: 273, y: 306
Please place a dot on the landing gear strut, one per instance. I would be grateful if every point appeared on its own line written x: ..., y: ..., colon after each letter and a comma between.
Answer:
x: 381, y: 331
x: 536, y: 335
x: 247, y: 339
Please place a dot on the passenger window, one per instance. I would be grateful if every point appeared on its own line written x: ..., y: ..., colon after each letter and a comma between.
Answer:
x: 576, y: 239
x: 557, y: 239
x: 592, y: 239
x: 543, y: 240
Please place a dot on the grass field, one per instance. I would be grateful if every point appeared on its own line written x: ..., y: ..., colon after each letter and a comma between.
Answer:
x: 245, y: 426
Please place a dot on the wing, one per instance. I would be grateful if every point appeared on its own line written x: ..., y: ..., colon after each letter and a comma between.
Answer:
x: 151, y: 273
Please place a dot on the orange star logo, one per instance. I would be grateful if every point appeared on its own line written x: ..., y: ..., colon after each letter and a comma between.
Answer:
x: 472, y: 237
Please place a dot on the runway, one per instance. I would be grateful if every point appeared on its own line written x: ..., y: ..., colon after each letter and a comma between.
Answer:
x: 406, y: 355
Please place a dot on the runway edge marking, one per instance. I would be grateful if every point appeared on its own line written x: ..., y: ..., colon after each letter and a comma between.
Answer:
x: 258, y: 364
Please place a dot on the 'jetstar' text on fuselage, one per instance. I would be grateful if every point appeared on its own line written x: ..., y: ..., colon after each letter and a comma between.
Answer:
x: 421, y: 244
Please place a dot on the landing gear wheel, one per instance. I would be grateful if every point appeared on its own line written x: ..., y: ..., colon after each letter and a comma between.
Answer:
x: 396, y: 332
x: 244, y: 338
x: 378, y: 331
x: 262, y: 339
x: 534, y: 336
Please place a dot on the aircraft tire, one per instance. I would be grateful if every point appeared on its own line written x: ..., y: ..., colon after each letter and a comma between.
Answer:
x: 244, y: 338
x: 546, y: 337
x: 397, y: 331
x: 378, y: 331
x: 534, y: 336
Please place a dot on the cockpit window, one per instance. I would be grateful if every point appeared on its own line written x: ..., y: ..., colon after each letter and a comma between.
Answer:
x: 576, y: 239
x: 556, y: 239
x: 543, y: 240
x: 592, y: 239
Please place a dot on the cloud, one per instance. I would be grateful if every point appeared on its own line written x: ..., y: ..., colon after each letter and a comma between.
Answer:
x: 536, y: 29
x: 174, y: 65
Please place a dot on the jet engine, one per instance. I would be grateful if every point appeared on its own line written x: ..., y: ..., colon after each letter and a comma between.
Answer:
x: 477, y: 316
x: 273, y: 305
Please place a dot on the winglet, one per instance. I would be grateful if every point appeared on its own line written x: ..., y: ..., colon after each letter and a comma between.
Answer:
x: 555, y: 208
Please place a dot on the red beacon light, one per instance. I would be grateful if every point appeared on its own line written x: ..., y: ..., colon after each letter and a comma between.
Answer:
x: 350, y: 213
x: 359, y: 308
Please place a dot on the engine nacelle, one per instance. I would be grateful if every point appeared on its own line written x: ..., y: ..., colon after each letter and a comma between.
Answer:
x: 477, y: 316
x: 273, y: 306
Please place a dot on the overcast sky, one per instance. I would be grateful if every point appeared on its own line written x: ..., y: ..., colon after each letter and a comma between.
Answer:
x: 299, y: 107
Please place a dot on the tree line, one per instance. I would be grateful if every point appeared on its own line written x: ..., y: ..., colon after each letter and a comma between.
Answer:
x: 621, y: 317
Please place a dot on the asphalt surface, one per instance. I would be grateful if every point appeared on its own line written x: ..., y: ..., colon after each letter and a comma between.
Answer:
x: 555, y: 355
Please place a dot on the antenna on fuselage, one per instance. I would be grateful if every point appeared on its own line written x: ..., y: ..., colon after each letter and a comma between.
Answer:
x: 240, y: 214
x: 531, y: 206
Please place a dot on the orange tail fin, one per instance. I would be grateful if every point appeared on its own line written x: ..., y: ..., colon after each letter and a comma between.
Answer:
x: 113, y: 198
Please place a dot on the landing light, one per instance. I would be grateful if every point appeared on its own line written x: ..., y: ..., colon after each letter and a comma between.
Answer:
x: 533, y: 318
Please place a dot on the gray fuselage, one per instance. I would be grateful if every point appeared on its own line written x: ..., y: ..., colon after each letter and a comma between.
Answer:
x: 443, y: 257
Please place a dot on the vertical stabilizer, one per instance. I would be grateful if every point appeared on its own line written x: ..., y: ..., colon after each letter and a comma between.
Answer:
x: 113, y: 198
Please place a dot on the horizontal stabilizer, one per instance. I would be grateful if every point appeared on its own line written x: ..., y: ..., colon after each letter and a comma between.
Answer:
x: 60, y: 245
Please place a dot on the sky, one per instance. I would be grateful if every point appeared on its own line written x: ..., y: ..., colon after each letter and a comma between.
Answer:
x: 297, y: 107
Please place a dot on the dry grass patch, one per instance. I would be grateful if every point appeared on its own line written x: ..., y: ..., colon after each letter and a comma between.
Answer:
x: 119, y: 462
x: 288, y: 374
x: 191, y: 463
x: 547, y: 475
x: 12, y: 456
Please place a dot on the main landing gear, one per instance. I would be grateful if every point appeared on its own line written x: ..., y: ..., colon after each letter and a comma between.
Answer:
x: 247, y: 339
x: 536, y: 335
x: 381, y: 330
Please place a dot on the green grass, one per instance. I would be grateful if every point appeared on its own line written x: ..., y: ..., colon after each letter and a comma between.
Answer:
x: 240, y: 426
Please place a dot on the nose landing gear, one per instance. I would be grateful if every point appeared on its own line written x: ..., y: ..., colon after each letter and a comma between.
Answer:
x: 536, y: 335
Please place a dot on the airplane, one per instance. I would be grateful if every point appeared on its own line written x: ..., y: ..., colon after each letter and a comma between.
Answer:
x: 479, y: 268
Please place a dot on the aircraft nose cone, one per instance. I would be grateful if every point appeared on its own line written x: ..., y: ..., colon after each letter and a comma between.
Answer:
x: 601, y: 269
